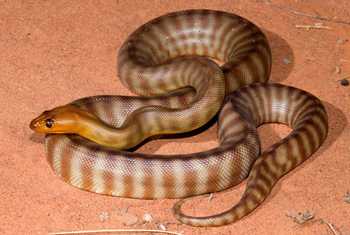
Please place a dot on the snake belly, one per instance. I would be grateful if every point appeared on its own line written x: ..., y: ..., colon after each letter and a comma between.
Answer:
x: 180, y: 91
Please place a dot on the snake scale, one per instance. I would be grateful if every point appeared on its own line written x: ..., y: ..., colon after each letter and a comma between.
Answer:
x: 165, y: 61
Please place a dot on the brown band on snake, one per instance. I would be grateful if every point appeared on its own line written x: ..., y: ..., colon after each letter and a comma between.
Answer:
x: 158, y: 58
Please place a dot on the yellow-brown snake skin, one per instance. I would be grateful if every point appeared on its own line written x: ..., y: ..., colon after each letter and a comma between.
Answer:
x: 181, y: 90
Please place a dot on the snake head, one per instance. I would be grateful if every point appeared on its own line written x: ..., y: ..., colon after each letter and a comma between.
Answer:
x: 63, y: 119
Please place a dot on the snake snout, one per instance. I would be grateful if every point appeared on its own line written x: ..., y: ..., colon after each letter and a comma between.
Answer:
x: 37, y: 123
x: 33, y: 124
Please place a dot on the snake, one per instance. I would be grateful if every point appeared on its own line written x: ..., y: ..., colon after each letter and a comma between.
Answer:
x: 172, y: 64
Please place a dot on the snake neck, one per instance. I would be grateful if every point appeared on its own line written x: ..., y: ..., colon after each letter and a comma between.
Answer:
x: 92, y: 128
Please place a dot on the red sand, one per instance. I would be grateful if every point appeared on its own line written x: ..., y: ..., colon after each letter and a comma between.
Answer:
x: 53, y: 52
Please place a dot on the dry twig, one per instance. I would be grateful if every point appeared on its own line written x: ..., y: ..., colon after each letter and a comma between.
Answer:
x: 318, y: 17
x: 314, y: 26
x: 116, y: 231
x: 331, y: 227
x: 210, y: 197
x: 337, y: 69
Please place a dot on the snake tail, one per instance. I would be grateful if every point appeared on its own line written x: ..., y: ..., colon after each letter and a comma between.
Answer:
x: 260, y: 104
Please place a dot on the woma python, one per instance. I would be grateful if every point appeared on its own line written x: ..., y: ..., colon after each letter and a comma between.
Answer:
x: 165, y: 61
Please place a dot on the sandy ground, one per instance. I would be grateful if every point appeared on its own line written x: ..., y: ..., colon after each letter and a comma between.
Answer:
x: 53, y: 52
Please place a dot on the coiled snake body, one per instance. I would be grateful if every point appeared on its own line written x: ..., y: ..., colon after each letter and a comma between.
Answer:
x: 180, y: 91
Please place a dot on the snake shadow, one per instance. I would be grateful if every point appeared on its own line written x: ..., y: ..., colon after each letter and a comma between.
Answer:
x: 37, y: 138
x: 282, y: 57
x: 282, y: 65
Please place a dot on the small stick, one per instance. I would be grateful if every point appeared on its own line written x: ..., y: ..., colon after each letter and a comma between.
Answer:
x: 331, y: 227
x: 315, y: 26
x: 210, y: 197
x: 337, y: 70
x: 318, y: 17
x: 116, y: 231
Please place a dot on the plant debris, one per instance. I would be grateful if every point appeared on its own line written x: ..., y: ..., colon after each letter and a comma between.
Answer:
x: 104, y: 231
x: 347, y: 197
x: 162, y: 227
x: 337, y: 69
x: 314, y: 26
x: 301, y: 218
x: 147, y: 218
x: 331, y: 227
x: 342, y: 41
x: 210, y: 197
x: 103, y: 216
x: 286, y: 61
x: 315, y: 16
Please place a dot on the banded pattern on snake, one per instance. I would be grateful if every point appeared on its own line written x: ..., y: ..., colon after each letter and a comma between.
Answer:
x: 266, y: 103
x: 180, y: 91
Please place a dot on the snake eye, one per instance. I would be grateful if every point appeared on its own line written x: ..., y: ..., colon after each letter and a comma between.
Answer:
x: 49, y: 122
